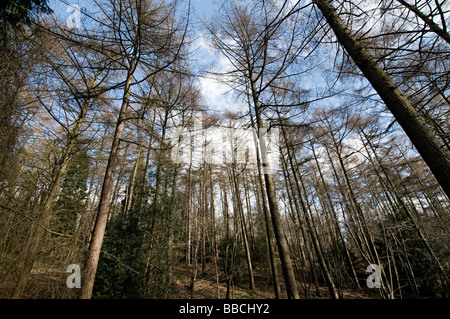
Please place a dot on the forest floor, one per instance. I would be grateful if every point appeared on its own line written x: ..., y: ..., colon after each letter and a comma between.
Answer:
x: 207, y: 287
x: 50, y: 284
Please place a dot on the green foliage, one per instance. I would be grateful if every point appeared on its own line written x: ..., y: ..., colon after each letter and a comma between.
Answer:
x: 70, y: 204
x: 409, y: 248
x: 13, y: 13
x: 158, y: 259
x: 339, y: 266
x: 236, y: 266
x: 121, y: 267
x: 259, y: 249
x: 425, y: 271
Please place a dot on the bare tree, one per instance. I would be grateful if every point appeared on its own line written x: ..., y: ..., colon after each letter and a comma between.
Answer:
x: 140, y: 44
x: 412, y: 123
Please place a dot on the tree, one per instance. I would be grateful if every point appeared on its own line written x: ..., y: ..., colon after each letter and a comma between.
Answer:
x: 14, y: 13
x: 70, y: 206
x: 411, y: 122
x: 141, y: 44
x: 104, y: 163
x: 252, y: 48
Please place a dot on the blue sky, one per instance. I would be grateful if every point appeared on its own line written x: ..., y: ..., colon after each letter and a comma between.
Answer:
x: 203, y: 7
x: 217, y: 96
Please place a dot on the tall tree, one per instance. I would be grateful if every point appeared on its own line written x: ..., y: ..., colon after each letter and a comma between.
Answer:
x: 251, y: 47
x: 412, y: 123
x: 140, y: 44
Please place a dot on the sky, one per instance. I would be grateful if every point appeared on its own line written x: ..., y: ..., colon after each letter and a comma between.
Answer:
x: 216, y: 95
x: 203, y: 7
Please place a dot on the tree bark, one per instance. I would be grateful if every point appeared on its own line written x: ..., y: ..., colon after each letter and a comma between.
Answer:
x: 265, y: 208
x: 241, y: 220
x: 105, y: 197
x: 286, y: 262
x: 309, y: 224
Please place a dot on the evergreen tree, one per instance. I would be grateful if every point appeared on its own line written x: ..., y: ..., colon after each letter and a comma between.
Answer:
x: 71, y: 202
x: 14, y: 13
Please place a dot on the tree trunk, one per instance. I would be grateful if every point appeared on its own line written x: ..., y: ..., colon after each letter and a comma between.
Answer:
x: 214, y: 231
x: 189, y: 218
x: 429, y: 22
x: 105, y: 197
x: 241, y: 221
x: 26, y: 261
x: 310, y: 227
x: 265, y: 208
x: 335, y: 219
x: 170, y: 229
x: 283, y: 249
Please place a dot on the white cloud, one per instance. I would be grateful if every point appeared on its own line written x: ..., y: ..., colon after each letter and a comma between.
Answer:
x: 217, y: 95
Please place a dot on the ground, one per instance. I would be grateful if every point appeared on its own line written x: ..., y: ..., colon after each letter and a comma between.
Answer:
x: 206, y: 287
x: 51, y: 284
